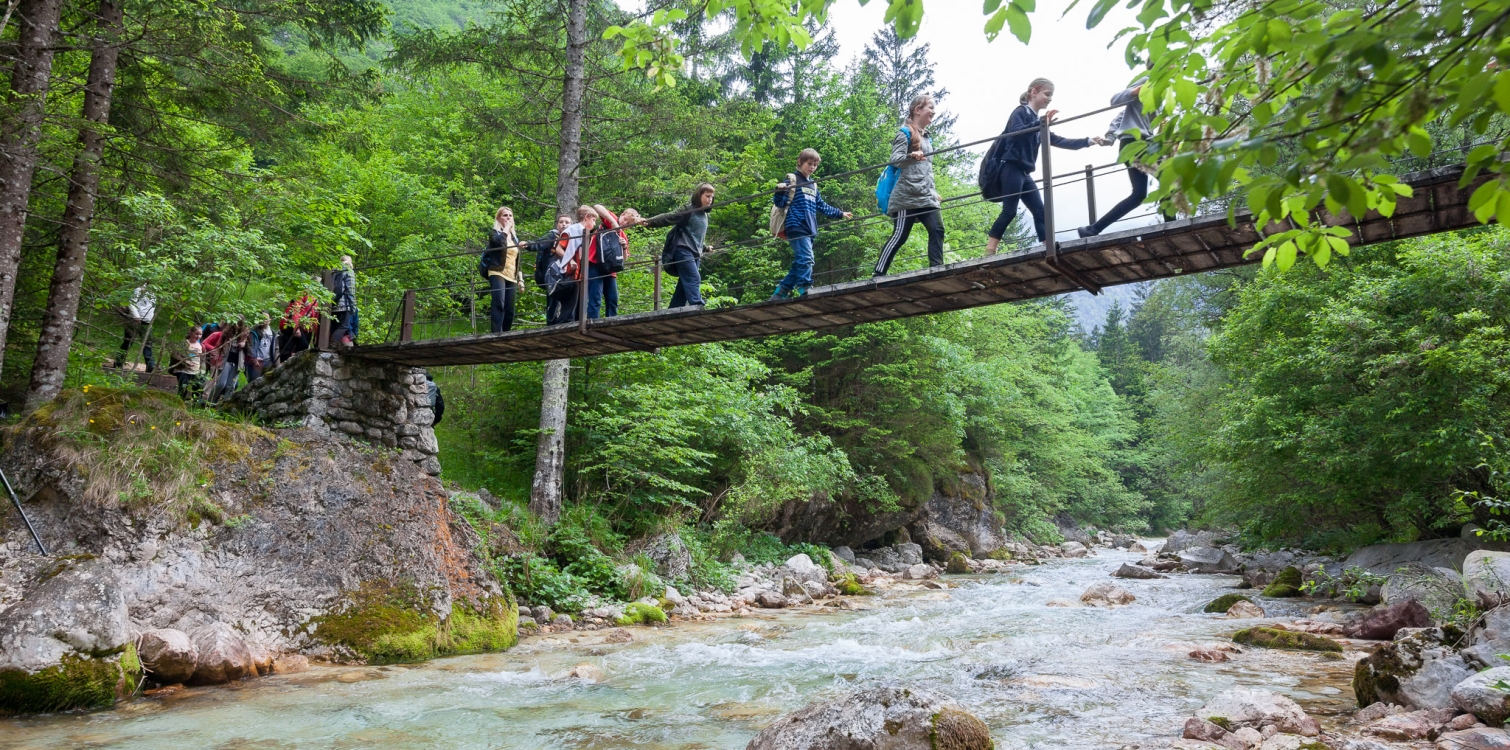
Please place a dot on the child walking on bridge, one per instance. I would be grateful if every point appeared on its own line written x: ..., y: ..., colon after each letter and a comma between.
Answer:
x: 799, y: 196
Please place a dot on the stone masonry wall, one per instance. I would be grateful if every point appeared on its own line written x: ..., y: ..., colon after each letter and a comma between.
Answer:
x: 351, y: 398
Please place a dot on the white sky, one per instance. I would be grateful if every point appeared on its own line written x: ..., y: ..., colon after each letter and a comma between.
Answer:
x: 984, y: 80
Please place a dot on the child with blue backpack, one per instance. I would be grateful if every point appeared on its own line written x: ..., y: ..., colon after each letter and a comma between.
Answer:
x: 799, y: 196
x: 912, y: 198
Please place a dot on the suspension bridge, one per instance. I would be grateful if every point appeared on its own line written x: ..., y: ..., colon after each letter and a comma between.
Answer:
x: 1185, y: 246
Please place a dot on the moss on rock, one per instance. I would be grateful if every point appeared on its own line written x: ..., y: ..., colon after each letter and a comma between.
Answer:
x: 849, y: 585
x: 956, y: 730
x: 1285, y: 585
x: 640, y: 613
x: 958, y: 564
x: 1222, y: 603
x: 382, y: 625
x: 75, y: 682
x: 1000, y: 554
x: 1285, y: 639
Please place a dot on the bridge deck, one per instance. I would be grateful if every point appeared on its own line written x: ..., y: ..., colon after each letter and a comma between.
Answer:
x: 1154, y: 252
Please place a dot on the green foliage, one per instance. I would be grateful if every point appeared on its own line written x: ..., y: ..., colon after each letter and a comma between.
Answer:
x: 1354, y: 583
x: 540, y: 581
x: 640, y: 613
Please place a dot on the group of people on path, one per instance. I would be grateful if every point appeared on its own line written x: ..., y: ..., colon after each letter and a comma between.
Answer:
x: 209, y: 361
x: 906, y: 194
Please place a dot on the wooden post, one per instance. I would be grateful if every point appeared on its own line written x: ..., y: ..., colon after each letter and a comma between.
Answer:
x: 657, y: 273
x: 323, y: 343
x: 1049, y: 245
x: 582, y: 287
x: 472, y: 305
x: 1090, y: 191
x: 406, y: 318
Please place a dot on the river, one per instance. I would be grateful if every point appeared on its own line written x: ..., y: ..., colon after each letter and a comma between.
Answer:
x: 1039, y: 676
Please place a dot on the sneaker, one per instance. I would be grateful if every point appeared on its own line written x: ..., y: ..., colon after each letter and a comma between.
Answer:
x: 1086, y: 232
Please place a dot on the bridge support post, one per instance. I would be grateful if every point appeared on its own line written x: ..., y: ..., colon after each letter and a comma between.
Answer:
x: 323, y: 342
x: 1090, y: 191
x: 406, y: 318
x: 657, y: 273
x: 1050, y: 247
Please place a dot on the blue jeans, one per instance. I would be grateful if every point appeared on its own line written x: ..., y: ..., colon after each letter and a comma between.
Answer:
x: 602, y: 290
x: 801, y: 276
x: 689, y: 280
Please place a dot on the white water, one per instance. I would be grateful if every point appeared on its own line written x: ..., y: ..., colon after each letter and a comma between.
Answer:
x: 1040, y: 677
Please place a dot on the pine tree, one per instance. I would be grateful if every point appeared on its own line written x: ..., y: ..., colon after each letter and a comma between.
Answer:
x: 902, y: 68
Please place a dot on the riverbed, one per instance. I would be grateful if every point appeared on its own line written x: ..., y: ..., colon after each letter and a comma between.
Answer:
x: 1041, y: 677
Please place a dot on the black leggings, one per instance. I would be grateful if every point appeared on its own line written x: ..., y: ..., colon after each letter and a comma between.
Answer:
x: 902, y: 228
x: 501, y: 314
x: 1139, y: 180
x: 1017, y: 185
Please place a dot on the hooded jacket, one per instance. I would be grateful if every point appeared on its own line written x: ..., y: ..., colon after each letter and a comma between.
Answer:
x: 914, y: 189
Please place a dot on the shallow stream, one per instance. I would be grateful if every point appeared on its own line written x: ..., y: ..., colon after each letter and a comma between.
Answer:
x: 1041, y: 677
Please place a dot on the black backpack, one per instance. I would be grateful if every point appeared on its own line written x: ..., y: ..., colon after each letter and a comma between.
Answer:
x: 493, y: 257
x: 543, y: 258
x: 611, y: 251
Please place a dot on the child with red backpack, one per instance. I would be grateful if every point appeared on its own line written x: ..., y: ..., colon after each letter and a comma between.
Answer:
x: 606, y: 254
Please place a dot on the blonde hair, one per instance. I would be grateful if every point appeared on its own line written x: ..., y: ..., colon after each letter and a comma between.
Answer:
x: 1038, y: 83
x: 807, y: 155
x: 628, y: 214
x: 918, y: 102
x: 586, y: 212
x: 498, y: 215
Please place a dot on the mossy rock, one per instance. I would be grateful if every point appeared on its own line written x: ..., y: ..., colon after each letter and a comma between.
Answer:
x: 640, y: 613
x: 958, y: 564
x: 1222, y: 603
x: 849, y: 585
x: 75, y: 682
x: 1001, y: 554
x: 1285, y: 639
x: 956, y: 730
x: 1221, y: 721
x: 1286, y: 585
x: 393, y: 625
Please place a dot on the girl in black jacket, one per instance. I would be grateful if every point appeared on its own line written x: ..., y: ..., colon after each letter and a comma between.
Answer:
x: 1008, y: 168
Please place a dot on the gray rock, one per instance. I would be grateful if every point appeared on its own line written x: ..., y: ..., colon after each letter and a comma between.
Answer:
x: 967, y: 513
x: 1477, y: 695
x: 1207, y: 560
x: 771, y: 600
x: 673, y: 561
x: 844, y: 553
x: 803, y: 569
x: 1384, y: 559
x: 1182, y: 540
x: 1481, y: 738
x: 1247, y: 707
x: 1073, y: 549
x: 168, y: 655
x: 562, y: 620
x: 221, y: 655
x: 1107, y: 595
x: 911, y: 554
x: 938, y: 542
x: 1135, y: 571
x: 527, y: 622
x: 1486, y: 577
x: 80, y: 612
x: 1437, y: 589
x: 1123, y: 541
x: 890, y: 717
x: 1418, y: 669
x: 1489, y: 639
x: 543, y: 614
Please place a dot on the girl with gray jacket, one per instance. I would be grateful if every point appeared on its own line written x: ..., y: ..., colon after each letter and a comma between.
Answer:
x: 914, y: 199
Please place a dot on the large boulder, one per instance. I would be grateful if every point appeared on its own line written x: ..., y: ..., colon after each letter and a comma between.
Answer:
x: 1255, y: 709
x: 65, y: 644
x: 1489, y: 639
x: 1381, y: 623
x: 802, y: 568
x: 889, y: 717
x: 1071, y: 531
x: 1385, y: 559
x: 1478, y: 695
x: 939, y: 543
x: 1418, y: 669
x: 221, y: 655
x: 1136, y: 571
x: 1437, y: 589
x: 1486, y: 577
x: 1208, y: 560
x: 1182, y: 540
x: 1480, y: 738
x: 1074, y: 549
x: 168, y: 655
x: 672, y: 559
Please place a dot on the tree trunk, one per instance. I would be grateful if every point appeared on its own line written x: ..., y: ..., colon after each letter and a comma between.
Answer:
x: 37, y: 36
x: 550, y: 454
x: 68, y: 274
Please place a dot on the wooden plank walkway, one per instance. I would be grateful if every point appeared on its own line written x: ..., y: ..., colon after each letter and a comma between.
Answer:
x: 1142, y: 254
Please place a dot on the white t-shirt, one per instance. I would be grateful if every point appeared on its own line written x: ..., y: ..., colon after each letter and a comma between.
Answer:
x: 143, y: 307
x: 574, y: 234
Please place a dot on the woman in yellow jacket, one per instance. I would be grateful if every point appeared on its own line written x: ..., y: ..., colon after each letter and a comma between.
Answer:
x: 501, y: 262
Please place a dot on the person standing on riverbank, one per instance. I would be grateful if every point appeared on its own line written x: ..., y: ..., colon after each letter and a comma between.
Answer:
x: 800, y: 197
x: 913, y: 199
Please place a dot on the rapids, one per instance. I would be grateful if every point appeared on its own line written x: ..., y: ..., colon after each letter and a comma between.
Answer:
x: 1040, y: 677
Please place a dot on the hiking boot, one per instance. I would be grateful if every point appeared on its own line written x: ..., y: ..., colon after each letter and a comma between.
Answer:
x: 1086, y: 232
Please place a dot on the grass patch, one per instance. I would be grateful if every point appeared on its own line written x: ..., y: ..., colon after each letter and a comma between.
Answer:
x: 136, y: 448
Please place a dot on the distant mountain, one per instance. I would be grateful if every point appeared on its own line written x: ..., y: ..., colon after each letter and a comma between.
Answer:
x: 1090, y: 311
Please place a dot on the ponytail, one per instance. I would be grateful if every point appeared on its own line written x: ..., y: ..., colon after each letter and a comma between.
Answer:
x: 915, y: 143
x: 1038, y: 83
